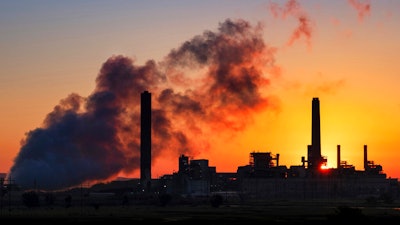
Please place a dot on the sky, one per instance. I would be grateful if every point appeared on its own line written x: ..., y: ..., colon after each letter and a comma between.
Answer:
x: 227, y: 78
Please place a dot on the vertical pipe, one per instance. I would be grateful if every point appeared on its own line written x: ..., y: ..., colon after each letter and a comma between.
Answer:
x: 310, y: 156
x: 338, y: 157
x: 277, y: 160
x: 365, y: 158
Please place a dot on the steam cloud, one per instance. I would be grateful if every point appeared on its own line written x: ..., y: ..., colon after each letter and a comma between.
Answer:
x: 213, y: 82
x: 363, y: 8
x: 293, y: 8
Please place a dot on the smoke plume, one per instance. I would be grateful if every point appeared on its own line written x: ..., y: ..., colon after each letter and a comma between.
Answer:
x: 213, y: 82
x: 363, y: 8
x: 293, y: 8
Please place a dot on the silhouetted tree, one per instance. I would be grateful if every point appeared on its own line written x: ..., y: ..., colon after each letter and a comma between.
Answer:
x: 30, y: 199
x: 216, y: 200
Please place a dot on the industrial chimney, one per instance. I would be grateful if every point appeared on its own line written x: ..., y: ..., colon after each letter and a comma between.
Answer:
x: 366, y: 167
x: 315, y: 158
x: 338, y: 157
x: 145, y: 140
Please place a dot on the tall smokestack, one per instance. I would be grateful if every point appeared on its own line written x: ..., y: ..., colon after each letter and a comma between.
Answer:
x: 338, y: 157
x: 145, y: 139
x: 365, y: 158
x: 315, y: 159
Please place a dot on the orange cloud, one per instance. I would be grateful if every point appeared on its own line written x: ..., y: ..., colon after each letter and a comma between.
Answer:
x: 292, y: 8
x: 363, y: 8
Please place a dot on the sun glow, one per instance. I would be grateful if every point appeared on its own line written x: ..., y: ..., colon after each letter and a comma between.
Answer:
x: 324, y: 167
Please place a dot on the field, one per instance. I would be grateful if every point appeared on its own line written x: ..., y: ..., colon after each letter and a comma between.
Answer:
x: 271, y: 212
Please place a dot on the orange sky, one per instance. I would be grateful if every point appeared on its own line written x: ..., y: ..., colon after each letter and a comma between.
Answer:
x: 344, y: 52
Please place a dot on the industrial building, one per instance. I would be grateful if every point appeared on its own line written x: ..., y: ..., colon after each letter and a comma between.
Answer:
x: 264, y: 177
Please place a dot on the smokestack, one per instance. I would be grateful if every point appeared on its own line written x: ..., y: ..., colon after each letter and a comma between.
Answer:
x: 309, y: 156
x: 145, y: 139
x: 338, y: 157
x: 365, y: 158
x: 315, y: 151
x: 277, y: 160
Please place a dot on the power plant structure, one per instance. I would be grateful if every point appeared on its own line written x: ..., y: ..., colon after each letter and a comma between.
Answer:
x: 264, y: 177
x: 145, y: 139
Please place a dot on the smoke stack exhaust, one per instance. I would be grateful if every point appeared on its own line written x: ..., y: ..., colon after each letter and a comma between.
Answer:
x: 145, y: 139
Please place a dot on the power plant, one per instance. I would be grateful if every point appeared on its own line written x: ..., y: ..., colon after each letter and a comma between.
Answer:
x: 264, y: 177
x: 261, y: 189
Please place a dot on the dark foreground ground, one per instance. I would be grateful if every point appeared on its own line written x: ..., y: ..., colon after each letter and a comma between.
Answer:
x: 280, y: 212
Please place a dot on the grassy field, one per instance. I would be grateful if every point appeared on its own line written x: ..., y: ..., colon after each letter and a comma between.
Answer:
x: 273, y: 212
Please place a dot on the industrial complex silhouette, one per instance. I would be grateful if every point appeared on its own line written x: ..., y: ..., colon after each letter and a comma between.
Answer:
x: 258, y: 193
x: 263, y: 176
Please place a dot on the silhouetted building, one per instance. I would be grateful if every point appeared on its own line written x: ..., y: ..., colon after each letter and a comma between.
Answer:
x: 264, y: 178
x: 194, y: 178
x: 145, y: 139
x: 369, y: 166
x: 313, y: 181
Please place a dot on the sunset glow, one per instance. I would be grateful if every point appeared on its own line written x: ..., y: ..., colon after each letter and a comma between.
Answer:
x: 227, y: 78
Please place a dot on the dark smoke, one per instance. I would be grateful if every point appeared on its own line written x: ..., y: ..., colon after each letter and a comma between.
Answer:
x: 95, y: 138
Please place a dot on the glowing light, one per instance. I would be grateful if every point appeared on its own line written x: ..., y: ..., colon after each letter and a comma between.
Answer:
x: 324, y: 167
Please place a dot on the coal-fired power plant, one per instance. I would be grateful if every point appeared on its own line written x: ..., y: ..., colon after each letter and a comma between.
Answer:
x: 145, y: 139
x: 87, y: 140
x: 264, y: 177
